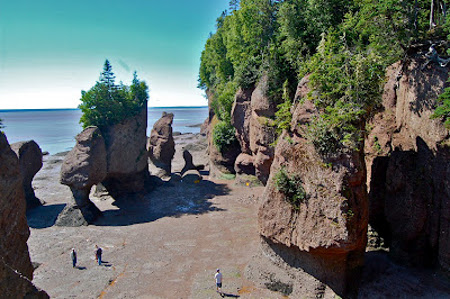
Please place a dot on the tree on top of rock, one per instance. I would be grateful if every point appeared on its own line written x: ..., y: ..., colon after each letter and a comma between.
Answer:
x: 106, y: 103
x: 107, y: 76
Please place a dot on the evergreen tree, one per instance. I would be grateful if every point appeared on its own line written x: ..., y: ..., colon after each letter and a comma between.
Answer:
x: 107, y: 104
x: 107, y: 76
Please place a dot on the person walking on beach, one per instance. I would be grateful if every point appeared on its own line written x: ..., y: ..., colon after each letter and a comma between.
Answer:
x: 98, y: 254
x: 73, y: 256
x: 218, y: 278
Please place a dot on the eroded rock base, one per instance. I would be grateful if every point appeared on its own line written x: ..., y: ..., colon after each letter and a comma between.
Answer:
x: 300, y: 274
x: 74, y: 215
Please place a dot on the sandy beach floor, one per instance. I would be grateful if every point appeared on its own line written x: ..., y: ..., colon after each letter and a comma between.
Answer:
x: 166, y: 244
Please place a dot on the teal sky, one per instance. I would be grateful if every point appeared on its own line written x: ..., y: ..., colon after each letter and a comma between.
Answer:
x: 51, y: 50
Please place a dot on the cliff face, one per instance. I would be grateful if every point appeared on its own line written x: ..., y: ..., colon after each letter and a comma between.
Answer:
x: 16, y: 270
x: 407, y: 156
x: 325, y: 235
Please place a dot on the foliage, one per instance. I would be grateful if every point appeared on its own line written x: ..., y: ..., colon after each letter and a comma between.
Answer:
x: 283, y: 115
x: 443, y: 109
x: 291, y: 186
x: 107, y: 103
x: 223, y: 136
x: 347, y: 83
x: 345, y: 45
x: 1, y: 124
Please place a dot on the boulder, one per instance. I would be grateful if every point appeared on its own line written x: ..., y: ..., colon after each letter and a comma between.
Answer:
x: 161, y: 146
x: 322, y: 231
x: 30, y: 161
x: 244, y: 164
x: 16, y: 270
x: 407, y: 158
x: 84, y: 166
x: 126, y: 155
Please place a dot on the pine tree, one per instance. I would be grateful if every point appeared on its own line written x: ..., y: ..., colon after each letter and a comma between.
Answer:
x: 107, y: 76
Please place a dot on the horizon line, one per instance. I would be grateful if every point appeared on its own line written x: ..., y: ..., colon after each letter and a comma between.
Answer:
x: 47, y: 109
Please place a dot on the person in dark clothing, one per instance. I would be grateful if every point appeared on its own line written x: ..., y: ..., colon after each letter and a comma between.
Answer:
x: 73, y: 255
x: 98, y: 254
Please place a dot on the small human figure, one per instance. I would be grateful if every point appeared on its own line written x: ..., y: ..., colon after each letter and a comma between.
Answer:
x: 73, y: 256
x: 218, y: 278
x: 98, y: 254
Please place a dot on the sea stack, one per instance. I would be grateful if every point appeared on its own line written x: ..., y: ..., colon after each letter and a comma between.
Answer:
x: 161, y: 146
x: 84, y: 166
x: 30, y: 161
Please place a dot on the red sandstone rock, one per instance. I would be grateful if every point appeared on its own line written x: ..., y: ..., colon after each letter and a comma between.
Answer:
x: 161, y: 146
x: 407, y: 158
x: 126, y: 155
x: 30, y: 160
x: 240, y: 117
x: 16, y: 270
x: 84, y: 166
x: 326, y: 234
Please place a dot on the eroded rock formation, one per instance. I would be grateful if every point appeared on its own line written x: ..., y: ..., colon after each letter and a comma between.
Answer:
x: 251, y: 116
x: 408, y: 156
x: 126, y: 155
x: 16, y: 271
x: 30, y: 161
x: 84, y: 166
x: 323, y: 233
x: 161, y: 146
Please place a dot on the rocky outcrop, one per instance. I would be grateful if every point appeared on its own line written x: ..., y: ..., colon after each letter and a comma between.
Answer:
x: 407, y: 156
x: 126, y: 155
x: 30, y: 161
x: 15, y: 285
x: 16, y: 270
x: 245, y: 164
x: 84, y: 166
x: 161, y: 146
x: 240, y: 115
x: 321, y: 231
x: 252, y: 115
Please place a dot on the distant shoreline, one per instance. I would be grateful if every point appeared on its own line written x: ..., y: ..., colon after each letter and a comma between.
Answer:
x: 66, y: 109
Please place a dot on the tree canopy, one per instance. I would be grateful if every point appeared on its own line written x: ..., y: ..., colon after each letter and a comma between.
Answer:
x: 345, y: 44
x: 108, y: 103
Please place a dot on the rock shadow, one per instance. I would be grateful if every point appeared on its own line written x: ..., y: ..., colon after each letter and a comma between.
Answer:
x: 44, y: 216
x: 170, y: 199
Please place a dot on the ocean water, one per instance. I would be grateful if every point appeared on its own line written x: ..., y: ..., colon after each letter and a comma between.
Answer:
x: 55, y: 129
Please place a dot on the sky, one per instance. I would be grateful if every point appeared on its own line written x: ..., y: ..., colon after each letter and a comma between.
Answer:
x: 51, y: 50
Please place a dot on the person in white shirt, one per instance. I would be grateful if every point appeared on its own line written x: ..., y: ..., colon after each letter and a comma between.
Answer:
x: 218, y: 278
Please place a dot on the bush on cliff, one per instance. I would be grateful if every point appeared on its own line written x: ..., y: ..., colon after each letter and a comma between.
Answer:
x: 291, y: 186
x: 107, y: 103
x: 223, y: 135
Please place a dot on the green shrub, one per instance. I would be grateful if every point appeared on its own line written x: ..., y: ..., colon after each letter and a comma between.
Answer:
x: 291, y: 186
x: 107, y: 103
x: 223, y: 136
x: 443, y: 109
